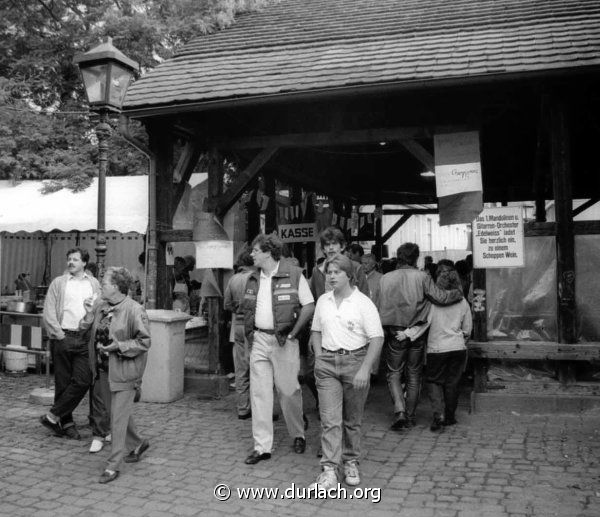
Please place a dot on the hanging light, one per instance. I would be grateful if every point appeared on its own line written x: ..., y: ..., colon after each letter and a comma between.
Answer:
x: 214, y: 249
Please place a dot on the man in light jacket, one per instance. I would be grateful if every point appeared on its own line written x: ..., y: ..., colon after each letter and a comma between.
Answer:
x: 63, y: 309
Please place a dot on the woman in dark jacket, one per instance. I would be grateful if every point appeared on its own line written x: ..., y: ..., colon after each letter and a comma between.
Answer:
x: 126, y: 346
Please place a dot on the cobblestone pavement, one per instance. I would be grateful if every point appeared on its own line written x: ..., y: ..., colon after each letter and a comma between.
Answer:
x: 509, y: 465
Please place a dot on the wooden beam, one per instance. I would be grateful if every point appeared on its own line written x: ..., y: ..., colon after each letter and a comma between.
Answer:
x: 535, y: 229
x: 348, y: 137
x: 175, y: 236
x: 540, y: 167
x: 534, y: 350
x: 586, y: 227
x: 420, y: 153
x: 585, y: 206
x: 186, y: 163
x: 394, y: 228
x: 412, y: 211
x: 239, y: 186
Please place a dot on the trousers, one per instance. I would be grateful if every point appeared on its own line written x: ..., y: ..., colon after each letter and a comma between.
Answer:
x: 241, y: 361
x: 404, y: 359
x: 273, y: 364
x: 442, y: 377
x: 99, y: 416
x: 125, y: 437
x: 341, y: 406
x: 72, y: 375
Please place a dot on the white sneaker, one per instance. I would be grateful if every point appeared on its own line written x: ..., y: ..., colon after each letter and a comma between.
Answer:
x: 327, y: 479
x: 97, y: 444
x: 108, y: 438
x: 351, y: 475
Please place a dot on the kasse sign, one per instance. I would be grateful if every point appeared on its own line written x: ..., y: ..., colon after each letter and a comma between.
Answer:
x: 298, y: 232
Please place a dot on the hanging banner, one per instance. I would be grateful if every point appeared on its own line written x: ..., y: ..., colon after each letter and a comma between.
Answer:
x: 298, y: 232
x: 458, y: 177
x: 498, y: 238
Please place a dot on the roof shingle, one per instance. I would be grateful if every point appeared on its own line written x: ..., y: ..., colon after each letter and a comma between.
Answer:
x: 320, y: 44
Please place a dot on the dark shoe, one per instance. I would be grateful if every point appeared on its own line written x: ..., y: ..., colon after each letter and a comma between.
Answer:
x: 400, y: 423
x: 133, y: 456
x: 437, y: 424
x: 55, y: 428
x: 299, y: 445
x: 449, y: 421
x: 256, y: 456
x: 305, y: 420
x: 246, y: 416
x: 107, y: 476
x: 72, y: 433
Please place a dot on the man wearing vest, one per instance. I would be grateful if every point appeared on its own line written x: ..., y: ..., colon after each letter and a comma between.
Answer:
x: 277, y: 304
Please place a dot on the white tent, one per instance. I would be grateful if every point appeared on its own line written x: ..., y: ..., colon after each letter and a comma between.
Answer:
x: 23, y: 208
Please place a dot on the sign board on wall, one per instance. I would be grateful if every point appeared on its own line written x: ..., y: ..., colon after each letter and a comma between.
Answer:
x: 498, y: 238
x: 298, y: 232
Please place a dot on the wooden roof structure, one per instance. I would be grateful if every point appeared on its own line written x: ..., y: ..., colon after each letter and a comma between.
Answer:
x: 349, y: 93
x: 343, y: 97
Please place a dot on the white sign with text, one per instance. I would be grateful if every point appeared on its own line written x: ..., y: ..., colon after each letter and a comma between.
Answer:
x: 457, y: 163
x: 498, y: 238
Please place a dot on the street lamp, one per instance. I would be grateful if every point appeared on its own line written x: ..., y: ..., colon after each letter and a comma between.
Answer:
x: 106, y: 74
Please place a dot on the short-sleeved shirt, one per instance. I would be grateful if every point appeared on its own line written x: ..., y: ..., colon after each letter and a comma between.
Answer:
x: 263, y: 316
x: 351, y: 325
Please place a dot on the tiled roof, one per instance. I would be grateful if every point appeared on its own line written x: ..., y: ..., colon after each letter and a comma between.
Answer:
x: 299, y: 46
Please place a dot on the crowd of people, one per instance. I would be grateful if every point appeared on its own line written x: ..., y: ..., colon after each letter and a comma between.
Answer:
x: 350, y: 313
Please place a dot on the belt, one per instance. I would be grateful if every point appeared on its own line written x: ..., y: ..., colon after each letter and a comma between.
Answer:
x: 69, y: 332
x: 271, y: 332
x: 343, y: 351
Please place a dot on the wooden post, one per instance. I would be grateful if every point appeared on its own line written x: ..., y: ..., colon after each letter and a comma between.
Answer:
x: 539, y: 181
x: 378, y: 231
x: 479, y: 328
x: 271, y: 212
x: 216, y: 328
x: 162, y: 144
x: 560, y: 163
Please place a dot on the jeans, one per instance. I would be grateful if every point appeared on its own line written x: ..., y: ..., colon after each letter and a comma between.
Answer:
x: 271, y: 363
x: 442, y: 376
x: 99, y: 416
x: 241, y: 361
x: 72, y: 376
x: 404, y: 359
x: 341, y: 406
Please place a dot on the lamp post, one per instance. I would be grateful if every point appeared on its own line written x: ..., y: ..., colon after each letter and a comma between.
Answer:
x: 106, y: 74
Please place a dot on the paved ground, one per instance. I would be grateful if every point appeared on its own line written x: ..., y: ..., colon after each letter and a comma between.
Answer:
x: 486, y: 466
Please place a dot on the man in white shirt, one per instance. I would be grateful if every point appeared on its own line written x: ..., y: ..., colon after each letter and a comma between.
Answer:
x: 347, y: 337
x: 277, y: 304
x: 63, y: 310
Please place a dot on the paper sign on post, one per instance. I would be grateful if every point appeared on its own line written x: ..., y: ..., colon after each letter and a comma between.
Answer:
x: 214, y: 254
x: 498, y: 238
x: 457, y: 163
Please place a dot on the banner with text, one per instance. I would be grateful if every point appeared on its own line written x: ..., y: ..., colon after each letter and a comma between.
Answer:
x: 298, y: 232
x: 498, y: 238
x: 458, y: 177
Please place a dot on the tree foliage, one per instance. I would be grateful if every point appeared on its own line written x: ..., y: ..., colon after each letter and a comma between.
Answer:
x: 46, y: 131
